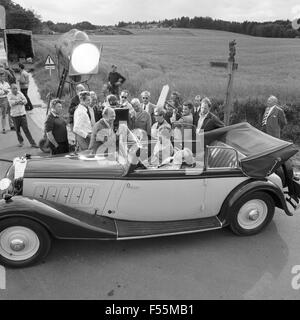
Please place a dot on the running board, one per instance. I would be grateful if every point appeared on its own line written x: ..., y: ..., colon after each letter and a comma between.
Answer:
x: 133, y: 229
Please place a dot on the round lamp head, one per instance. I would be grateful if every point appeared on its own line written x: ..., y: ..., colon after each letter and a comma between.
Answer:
x: 85, y: 58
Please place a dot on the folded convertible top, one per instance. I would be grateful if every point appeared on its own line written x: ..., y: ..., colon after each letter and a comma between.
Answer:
x: 264, y: 153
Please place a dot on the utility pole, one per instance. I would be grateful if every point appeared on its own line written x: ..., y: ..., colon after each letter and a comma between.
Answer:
x: 232, y: 66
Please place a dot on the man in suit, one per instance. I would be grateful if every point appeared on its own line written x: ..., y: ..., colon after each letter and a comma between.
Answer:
x: 207, y: 120
x: 197, y: 109
x: 147, y: 105
x: 274, y: 118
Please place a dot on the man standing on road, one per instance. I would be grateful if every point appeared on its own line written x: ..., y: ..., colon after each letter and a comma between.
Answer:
x: 74, y: 104
x: 207, y: 120
x: 4, y: 90
x: 274, y: 118
x: 142, y: 118
x: 125, y: 104
x: 24, y: 85
x: 197, y: 110
x: 82, y: 121
x: 147, y: 105
x: 17, y: 102
x: 115, y: 80
x: 56, y: 129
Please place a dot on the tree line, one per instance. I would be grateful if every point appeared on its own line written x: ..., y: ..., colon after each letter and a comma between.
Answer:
x: 276, y: 29
x: 19, y: 18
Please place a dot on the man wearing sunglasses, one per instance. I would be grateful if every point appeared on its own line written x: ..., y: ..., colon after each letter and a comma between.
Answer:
x: 147, y: 105
x: 125, y: 104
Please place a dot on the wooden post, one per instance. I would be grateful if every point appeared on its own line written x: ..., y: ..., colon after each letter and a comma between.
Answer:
x: 231, y: 70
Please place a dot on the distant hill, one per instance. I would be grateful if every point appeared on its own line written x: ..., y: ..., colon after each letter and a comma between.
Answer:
x: 275, y: 29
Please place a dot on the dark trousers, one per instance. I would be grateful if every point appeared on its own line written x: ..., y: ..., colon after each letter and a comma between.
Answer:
x: 21, y: 122
x: 28, y: 106
x: 114, y: 90
x: 63, y: 147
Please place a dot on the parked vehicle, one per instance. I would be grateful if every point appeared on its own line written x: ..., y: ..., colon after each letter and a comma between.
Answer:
x: 239, y: 180
x: 19, y: 47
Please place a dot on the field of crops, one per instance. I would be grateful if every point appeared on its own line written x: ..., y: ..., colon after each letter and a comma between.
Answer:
x: 181, y: 58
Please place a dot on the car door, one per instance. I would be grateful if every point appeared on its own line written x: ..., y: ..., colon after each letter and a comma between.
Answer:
x: 157, y: 196
x: 222, y: 176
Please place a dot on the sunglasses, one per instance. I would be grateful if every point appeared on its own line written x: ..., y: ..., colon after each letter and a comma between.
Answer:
x: 124, y: 97
x: 145, y: 98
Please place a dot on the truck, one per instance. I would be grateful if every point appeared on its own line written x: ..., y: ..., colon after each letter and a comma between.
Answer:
x: 18, y: 46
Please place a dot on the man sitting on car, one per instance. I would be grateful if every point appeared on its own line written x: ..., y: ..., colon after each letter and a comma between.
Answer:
x: 103, y: 136
x: 161, y: 133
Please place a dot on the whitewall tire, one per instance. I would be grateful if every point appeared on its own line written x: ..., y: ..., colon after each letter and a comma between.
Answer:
x: 252, y: 213
x: 23, y: 242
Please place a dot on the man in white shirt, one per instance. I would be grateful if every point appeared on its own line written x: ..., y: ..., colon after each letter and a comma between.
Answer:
x: 82, y: 121
x: 4, y: 90
x: 17, y: 102
x: 161, y: 133
x: 24, y: 85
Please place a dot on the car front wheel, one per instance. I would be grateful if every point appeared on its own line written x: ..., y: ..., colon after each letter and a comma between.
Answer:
x: 252, y: 213
x: 22, y: 242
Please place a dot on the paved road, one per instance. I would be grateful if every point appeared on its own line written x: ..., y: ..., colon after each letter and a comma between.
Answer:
x: 212, y: 265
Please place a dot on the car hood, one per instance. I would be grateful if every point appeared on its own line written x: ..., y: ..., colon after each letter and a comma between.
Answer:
x: 263, y: 153
x: 73, y: 167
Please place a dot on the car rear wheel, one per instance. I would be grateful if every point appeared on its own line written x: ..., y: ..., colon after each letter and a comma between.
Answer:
x: 22, y: 242
x: 252, y: 213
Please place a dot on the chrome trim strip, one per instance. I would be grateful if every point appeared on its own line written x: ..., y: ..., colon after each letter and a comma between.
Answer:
x: 169, y: 234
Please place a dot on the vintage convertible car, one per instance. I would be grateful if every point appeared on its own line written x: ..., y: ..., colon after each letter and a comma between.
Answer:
x: 242, y: 177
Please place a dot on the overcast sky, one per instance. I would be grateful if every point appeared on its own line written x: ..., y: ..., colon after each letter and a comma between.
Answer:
x: 106, y: 12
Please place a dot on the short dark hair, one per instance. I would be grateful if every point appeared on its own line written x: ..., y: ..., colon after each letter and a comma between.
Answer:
x: 188, y: 104
x: 83, y: 95
x: 54, y: 102
x: 112, y: 100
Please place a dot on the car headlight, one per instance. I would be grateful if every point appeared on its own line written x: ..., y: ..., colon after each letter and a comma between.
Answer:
x: 5, y: 184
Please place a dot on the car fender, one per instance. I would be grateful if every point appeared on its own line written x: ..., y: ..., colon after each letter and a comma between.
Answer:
x: 247, y: 187
x: 61, y: 221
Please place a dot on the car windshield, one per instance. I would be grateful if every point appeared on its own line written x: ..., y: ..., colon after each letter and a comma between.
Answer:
x: 179, y: 148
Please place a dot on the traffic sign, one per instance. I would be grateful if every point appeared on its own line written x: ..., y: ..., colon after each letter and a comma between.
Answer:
x: 49, y: 61
x: 49, y: 64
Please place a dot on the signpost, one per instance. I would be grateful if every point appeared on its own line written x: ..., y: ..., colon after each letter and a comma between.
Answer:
x: 49, y: 64
x: 232, y: 67
x: 2, y: 18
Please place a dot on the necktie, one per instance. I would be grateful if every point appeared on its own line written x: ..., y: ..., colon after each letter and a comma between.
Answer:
x: 264, y: 122
x: 88, y: 112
